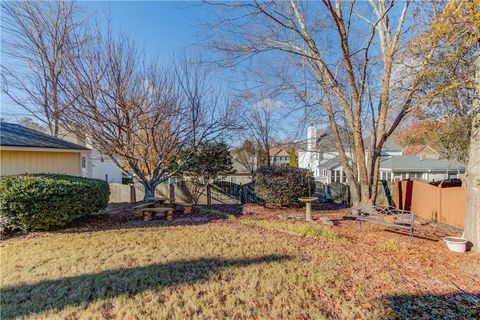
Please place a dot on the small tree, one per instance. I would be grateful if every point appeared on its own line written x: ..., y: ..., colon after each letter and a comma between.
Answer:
x: 203, y: 164
x: 454, y: 78
x: 259, y: 116
x: 247, y: 156
x: 139, y: 113
x: 293, y: 159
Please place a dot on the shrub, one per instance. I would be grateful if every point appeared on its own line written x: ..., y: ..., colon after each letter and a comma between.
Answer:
x: 46, y: 201
x: 282, y: 185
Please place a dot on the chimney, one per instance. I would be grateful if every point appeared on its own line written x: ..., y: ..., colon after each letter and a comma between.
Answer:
x: 311, y: 138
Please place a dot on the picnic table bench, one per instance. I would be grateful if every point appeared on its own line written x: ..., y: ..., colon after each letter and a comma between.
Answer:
x: 155, y: 207
x: 390, y: 217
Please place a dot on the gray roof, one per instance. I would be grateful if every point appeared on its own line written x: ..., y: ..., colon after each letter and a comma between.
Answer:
x: 391, y: 145
x: 416, y: 163
x: 326, y: 141
x: 15, y: 135
x: 330, y: 164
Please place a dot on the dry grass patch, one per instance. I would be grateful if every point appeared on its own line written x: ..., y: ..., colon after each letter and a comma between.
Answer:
x: 218, y: 270
x: 205, y: 272
x: 301, y: 229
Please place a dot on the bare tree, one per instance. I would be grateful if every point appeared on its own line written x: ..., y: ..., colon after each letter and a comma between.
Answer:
x: 38, y: 39
x: 259, y: 117
x: 247, y: 156
x: 351, y: 54
x: 140, y: 114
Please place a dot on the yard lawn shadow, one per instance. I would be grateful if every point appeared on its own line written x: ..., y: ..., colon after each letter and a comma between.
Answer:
x: 436, y: 306
x: 30, y: 299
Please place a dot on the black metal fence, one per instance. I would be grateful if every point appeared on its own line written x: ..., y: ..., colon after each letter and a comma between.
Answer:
x: 229, y: 192
x: 243, y: 193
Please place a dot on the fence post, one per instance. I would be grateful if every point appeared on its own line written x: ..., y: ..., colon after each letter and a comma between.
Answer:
x: 209, y: 194
x: 244, y: 195
x: 400, y: 195
x: 172, y: 191
x: 133, y: 194
x: 439, y: 213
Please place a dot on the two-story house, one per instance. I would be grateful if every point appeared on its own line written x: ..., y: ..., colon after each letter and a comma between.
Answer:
x: 319, y: 154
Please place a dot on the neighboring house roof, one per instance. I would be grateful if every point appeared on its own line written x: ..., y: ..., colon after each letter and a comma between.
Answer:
x: 405, y: 163
x: 278, y: 151
x: 330, y: 164
x: 416, y: 163
x: 391, y: 146
x: 326, y: 140
x: 421, y: 150
x: 15, y: 135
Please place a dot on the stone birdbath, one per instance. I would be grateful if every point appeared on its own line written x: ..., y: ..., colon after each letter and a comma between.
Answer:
x: 308, y: 200
x: 308, y: 206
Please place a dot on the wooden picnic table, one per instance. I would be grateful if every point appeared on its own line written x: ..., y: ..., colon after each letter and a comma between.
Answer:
x: 161, y: 200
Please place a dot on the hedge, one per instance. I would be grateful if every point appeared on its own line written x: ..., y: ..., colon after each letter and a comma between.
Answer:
x: 46, y: 201
x: 282, y: 185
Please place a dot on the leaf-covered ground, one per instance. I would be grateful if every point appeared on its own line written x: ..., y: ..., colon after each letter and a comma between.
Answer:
x: 255, y: 266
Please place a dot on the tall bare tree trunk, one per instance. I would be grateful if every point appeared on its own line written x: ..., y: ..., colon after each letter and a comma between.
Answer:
x: 472, y: 219
x: 149, y: 190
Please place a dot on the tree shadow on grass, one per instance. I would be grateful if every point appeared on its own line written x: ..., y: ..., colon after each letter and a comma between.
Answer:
x: 29, y: 299
x: 459, y: 306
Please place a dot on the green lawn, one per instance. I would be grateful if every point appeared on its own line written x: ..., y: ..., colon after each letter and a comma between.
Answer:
x: 211, y: 271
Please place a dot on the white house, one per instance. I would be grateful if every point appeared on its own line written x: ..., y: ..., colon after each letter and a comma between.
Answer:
x: 95, y: 164
x: 319, y: 155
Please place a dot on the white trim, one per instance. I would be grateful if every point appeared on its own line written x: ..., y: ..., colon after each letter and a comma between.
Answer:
x: 36, y: 149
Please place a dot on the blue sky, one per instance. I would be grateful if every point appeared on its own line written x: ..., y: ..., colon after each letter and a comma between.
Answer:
x: 162, y: 28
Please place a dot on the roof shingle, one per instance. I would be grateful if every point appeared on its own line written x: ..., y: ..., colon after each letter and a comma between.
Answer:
x: 15, y: 135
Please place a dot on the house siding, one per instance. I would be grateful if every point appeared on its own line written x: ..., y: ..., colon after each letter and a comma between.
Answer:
x: 18, y: 162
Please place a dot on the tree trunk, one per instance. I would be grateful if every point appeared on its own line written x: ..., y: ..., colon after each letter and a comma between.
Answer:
x: 149, y: 190
x: 354, y: 194
x: 267, y: 155
x: 375, y: 177
x: 472, y: 179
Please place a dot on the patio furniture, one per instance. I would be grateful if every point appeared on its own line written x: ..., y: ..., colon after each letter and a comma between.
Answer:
x: 390, y: 217
x: 150, y: 213
x: 137, y: 210
x: 185, y: 208
x: 161, y: 200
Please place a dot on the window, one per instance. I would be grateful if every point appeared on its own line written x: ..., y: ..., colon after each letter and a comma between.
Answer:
x: 106, y: 177
x: 101, y: 159
x: 336, y: 176
x: 84, y: 162
x: 452, y: 175
x: 324, y: 173
x: 386, y: 175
